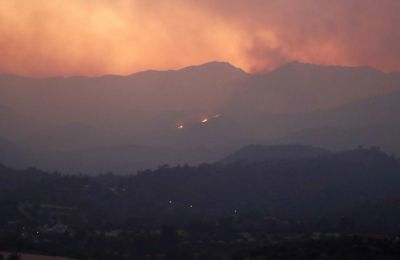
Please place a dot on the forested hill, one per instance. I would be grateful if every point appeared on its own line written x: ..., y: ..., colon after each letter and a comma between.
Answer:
x: 301, y: 188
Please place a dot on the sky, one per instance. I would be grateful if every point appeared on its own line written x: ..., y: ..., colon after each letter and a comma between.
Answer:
x: 95, y: 37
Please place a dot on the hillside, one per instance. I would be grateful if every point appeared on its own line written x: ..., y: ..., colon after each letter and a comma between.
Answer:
x: 160, y: 114
x: 124, y: 101
x: 299, y: 185
x: 259, y: 153
x: 383, y: 135
x: 299, y: 88
x: 212, y: 209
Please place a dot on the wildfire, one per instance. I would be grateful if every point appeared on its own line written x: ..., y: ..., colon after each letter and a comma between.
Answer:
x: 202, y: 120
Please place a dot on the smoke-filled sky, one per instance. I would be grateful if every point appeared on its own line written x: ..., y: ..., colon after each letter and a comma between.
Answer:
x: 93, y: 37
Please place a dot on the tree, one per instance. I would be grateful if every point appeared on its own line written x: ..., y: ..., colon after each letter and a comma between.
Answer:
x: 14, y: 256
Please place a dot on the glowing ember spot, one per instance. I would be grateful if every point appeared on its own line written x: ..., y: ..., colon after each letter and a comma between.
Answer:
x: 180, y: 126
x: 205, y: 120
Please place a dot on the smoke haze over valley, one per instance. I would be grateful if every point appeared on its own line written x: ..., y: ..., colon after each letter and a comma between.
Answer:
x: 193, y: 115
x: 204, y: 130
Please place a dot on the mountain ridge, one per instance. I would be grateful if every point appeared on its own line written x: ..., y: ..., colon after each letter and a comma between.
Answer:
x: 210, y: 64
x: 298, y: 87
x: 259, y: 153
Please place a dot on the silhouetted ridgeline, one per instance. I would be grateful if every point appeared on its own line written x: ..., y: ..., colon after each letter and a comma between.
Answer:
x: 139, y: 121
x: 216, y: 211
x: 295, y: 188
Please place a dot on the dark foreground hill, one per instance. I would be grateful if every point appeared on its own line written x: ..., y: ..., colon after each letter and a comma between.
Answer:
x: 297, y: 187
x: 210, y: 211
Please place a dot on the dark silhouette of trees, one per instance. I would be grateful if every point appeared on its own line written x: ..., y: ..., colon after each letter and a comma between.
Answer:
x: 14, y: 256
x: 186, y: 211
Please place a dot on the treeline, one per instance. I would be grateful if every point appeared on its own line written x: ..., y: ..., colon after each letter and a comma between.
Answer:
x: 272, y: 208
x: 334, y: 185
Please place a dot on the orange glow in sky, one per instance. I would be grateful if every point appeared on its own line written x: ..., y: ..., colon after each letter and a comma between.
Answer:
x: 94, y: 37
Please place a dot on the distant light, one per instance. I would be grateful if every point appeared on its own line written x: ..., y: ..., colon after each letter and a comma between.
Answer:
x: 217, y: 116
x: 236, y: 211
x: 170, y: 202
x: 180, y: 126
x: 191, y: 206
x: 205, y: 120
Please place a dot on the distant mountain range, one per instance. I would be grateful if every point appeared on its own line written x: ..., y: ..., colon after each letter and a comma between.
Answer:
x: 298, y: 88
x: 259, y: 153
x: 121, y: 102
x: 77, y: 121
x: 371, y: 121
x: 385, y: 136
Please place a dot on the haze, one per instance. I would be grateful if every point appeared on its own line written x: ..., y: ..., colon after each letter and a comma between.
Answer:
x: 200, y: 129
x: 120, y: 85
x: 88, y: 37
